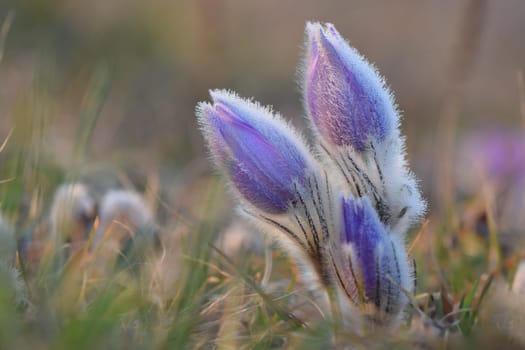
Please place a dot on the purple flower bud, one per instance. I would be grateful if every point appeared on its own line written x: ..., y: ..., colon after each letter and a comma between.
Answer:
x: 261, y: 155
x: 345, y: 97
x: 377, y: 262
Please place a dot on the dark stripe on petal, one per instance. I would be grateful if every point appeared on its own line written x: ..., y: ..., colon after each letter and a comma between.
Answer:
x: 310, y: 221
x: 320, y: 209
x: 342, y: 170
x: 287, y: 230
x: 388, y: 307
x: 377, y: 296
x: 342, y: 283
x: 311, y: 251
x: 414, y: 269
x: 354, y: 278
x: 396, y: 261
x: 377, y: 163
x: 357, y: 174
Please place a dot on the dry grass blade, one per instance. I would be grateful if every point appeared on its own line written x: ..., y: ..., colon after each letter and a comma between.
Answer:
x: 282, y: 313
x: 421, y: 232
x: 4, y: 143
x: 3, y: 181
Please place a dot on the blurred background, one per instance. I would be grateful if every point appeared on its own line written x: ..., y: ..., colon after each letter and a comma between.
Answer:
x: 136, y: 69
x: 103, y: 92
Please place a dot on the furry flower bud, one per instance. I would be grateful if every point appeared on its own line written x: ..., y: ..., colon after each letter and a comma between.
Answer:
x: 126, y: 231
x: 374, y: 263
x: 345, y: 97
x: 122, y: 215
x: 263, y: 158
x: 72, y: 214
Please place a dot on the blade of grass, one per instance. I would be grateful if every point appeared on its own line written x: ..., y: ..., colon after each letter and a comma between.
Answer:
x: 268, y: 300
x: 4, y: 30
x: 92, y: 103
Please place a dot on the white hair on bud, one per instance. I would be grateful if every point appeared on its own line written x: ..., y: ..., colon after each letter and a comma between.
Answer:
x: 401, y: 188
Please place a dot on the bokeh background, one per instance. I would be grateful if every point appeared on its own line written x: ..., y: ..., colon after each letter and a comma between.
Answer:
x: 450, y: 64
x: 103, y: 92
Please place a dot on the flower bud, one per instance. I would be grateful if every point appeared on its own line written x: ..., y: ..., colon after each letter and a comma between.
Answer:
x: 345, y: 97
x: 73, y: 211
x: 126, y: 231
x: 122, y: 215
x: 375, y: 264
x: 263, y: 158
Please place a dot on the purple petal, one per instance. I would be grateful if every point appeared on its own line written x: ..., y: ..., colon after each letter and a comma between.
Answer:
x: 345, y: 98
x: 262, y: 157
x: 363, y: 230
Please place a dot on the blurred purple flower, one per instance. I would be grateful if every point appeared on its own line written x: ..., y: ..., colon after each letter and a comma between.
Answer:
x: 345, y: 97
x: 376, y: 265
x: 498, y: 154
x: 494, y: 159
x: 263, y: 158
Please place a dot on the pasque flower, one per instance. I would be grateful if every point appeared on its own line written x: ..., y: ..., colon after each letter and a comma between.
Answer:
x: 272, y: 171
x: 345, y: 217
x: 373, y: 264
x: 261, y: 155
x: 356, y: 120
x: 344, y: 96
